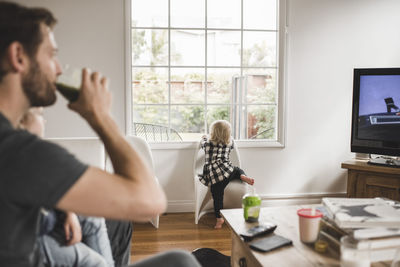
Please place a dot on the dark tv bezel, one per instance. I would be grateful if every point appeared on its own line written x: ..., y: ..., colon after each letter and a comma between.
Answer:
x: 369, y: 146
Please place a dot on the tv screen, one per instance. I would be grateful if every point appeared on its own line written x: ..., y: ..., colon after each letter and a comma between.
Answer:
x: 376, y: 112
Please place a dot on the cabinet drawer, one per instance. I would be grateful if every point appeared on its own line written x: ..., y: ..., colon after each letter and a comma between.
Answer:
x: 382, y: 186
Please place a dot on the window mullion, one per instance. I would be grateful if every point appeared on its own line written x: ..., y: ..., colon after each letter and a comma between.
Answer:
x: 169, y: 66
x: 205, y: 70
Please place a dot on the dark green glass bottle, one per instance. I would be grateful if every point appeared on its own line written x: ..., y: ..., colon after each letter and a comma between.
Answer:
x: 69, y: 92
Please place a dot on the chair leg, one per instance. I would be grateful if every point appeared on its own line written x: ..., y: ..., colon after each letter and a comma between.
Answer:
x: 155, y: 221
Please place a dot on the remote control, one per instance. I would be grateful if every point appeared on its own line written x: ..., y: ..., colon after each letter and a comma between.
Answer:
x: 258, y: 230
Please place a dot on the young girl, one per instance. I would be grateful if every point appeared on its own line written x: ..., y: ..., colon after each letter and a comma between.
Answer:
x: 218, y: 169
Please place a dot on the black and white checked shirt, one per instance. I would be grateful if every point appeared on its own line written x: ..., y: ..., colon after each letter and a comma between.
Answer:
x: 217, y: 165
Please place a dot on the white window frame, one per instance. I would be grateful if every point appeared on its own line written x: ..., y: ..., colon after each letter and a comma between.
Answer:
x: 282, y: 26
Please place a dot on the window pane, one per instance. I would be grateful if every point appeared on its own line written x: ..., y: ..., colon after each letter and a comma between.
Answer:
x: 187, y: 13
x: 151, y: 123
x: 260, y: 86
x: 259, y: 49
x: 187, y: 48
x: 188, y: 120
x: 228, y: 19
x: 223, y: 48
x: 145, y: 15
x: 218, y: 112
x: 259, y: 14
x: 219, y: 85
x: 149, y: 85
x: 149, y: 47
x: 152, y: 114
x: 261, y: 122
x: 187, y: 85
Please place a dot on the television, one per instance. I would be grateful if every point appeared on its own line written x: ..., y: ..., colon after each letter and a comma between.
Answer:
x: 376, y: 115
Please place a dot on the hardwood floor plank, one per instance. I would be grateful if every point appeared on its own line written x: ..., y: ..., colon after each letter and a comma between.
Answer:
x: 178, y: 231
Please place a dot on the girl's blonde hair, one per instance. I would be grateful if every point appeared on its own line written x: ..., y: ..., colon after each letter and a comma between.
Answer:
x: 220, y: 132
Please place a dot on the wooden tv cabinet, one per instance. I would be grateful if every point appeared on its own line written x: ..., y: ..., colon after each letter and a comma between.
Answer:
x: 365, y: 180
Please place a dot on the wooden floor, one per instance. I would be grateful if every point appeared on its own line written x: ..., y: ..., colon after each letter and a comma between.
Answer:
x: 178, y: 231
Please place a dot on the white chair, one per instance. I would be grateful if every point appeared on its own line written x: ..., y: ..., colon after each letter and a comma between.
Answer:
x: 88, y: 150
x: 203, y: 200
x: 143, y: 148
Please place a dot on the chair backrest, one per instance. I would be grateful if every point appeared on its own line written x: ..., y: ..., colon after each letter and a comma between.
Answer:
x: 142, y: 147
x: 88, y: 150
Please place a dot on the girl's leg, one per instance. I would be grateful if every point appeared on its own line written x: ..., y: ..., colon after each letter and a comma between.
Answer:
x: 238, y: 173
x: 217, y: 192
x: 247, y: 179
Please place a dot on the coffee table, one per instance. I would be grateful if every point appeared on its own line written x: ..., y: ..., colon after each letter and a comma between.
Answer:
x: 298, y: 255
x: 286, y: 218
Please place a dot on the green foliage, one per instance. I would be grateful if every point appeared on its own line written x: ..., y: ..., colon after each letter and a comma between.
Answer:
x: 158, y: 47
x: 138, y: 43
x: 258, y: 55
x: 218, y: 113
x: 191, y: 119
x: 151, y: 114
x: 265, y: 122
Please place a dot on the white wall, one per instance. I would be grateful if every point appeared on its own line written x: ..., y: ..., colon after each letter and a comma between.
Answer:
x: 89, y: 33
x: 326, y: 40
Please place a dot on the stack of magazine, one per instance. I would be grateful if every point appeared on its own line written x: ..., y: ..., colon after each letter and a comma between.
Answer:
x: 372, y: 223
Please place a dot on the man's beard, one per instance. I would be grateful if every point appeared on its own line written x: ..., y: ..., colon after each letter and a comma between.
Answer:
x: 37, y: 88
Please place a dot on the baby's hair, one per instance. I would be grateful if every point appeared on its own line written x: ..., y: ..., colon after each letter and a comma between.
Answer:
x: 220, y: 132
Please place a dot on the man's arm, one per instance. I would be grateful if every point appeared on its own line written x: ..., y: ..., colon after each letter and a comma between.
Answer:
x: 131, y: 193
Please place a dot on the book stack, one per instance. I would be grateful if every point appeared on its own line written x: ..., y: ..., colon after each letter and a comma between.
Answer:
x: 372, y: 223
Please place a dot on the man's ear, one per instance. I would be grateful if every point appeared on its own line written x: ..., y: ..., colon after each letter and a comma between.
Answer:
x: 17, y: 57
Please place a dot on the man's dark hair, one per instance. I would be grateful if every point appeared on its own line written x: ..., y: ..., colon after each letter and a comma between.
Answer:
x: 22, y: 24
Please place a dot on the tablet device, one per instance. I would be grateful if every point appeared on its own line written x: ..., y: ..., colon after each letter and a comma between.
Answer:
x: 270, y: 242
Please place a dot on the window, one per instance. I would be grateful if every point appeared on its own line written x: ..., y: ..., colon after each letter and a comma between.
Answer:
x: 196, y: 61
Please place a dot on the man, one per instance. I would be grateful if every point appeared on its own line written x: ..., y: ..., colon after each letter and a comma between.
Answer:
x: 35, y: 173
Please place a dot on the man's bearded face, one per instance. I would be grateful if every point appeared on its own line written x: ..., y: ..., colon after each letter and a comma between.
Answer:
x: 37, y: 87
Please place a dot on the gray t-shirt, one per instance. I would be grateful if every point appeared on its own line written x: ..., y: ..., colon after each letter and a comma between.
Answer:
x: 33, y: 174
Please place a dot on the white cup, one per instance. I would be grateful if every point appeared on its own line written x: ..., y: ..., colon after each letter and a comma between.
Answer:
x: 309, y: 224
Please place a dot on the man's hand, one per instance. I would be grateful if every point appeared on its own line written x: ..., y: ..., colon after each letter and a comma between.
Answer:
x: 94, y: 98
x: 72, y: 228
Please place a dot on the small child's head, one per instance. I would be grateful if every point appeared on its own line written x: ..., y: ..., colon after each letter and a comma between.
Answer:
x: 220, y: 132
x: 33, y: 121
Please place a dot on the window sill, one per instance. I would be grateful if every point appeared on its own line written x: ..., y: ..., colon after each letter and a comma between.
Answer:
x: 194, y: 144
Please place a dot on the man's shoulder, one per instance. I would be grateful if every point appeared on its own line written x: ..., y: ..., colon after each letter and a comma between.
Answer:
x: 11, y: 138
x: 20, y: 144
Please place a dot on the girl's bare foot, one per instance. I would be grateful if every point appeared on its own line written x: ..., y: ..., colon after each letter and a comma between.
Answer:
x: 219, y: 223
x: 247, y: 179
